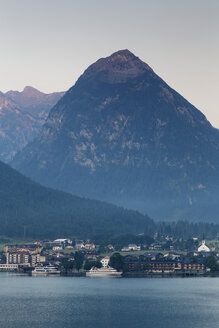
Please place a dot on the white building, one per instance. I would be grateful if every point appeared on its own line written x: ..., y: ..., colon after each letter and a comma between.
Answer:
x: 24, y: 259
x: 131, y: 247
x: 105, y: 261
x: 57, y: 248
x: 63, y: 241
x: 203, y: 247
x: 18, y: 258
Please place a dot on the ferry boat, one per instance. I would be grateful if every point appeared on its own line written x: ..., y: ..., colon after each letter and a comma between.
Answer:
x: 103, y: 272
x: 46, y: 270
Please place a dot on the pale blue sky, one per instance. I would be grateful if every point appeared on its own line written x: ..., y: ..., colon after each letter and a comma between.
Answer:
x: 49, y: 43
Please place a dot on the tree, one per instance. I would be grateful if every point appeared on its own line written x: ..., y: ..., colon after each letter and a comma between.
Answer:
x: 146, y: 267
x: 211, y: 263
x: 67, y: 264
x: 79, y: 259
x: 116, y: 261
x: 103, y: 249
x: 89, y: 264
x: 138, y: 266
x: 3, y: 257
x: 189, y: 245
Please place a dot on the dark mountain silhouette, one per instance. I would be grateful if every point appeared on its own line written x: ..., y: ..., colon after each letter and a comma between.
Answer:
x: 46, y: 213
x: 121, y: 134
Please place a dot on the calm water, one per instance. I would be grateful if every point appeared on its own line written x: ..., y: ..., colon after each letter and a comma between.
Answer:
x: 108, y: 302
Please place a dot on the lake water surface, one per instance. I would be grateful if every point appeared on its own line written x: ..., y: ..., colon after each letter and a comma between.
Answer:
x: 65, y: 302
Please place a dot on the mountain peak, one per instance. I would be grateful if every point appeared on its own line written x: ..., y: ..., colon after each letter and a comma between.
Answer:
x: 118, y: 67
x: 122, y: 55
x: 30, y: 91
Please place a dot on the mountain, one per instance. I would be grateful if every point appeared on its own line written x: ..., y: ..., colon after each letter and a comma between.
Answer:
x: 47, y: 213
x: 35, y: 102
x: 22, y: 115
x: 16, y: 128
x: 121, y: 134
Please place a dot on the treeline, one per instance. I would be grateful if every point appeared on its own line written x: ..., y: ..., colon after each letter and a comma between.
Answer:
x: 120, y: 241
x: 186, y: 229
x: 180, y: 230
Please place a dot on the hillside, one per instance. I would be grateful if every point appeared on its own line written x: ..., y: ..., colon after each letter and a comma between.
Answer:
x: 46, y: 213
x: 121, y: 134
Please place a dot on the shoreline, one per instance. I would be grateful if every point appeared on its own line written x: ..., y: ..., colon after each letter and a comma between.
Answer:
x: 129, y: 276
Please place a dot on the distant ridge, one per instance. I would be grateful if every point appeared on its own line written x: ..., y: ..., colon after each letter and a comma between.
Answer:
x: 22, y: 115
x: 34, y: 101
x: 121, y: 134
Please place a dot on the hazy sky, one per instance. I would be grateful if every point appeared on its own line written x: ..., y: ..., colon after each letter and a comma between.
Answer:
x: 49, y: 43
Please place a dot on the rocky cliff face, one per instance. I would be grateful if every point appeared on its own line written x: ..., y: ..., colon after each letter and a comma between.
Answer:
x: 121, y: 134
x: 22, y: 115
x: 16, y: 128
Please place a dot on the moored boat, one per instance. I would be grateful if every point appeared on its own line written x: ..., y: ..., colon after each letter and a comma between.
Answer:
x: 45, y: 270
x: 103, y: 272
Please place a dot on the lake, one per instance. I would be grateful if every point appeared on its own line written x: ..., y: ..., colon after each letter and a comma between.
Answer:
x: 65, y: 302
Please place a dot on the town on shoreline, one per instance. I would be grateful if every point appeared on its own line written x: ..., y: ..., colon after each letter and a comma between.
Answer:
x: 163, y: 256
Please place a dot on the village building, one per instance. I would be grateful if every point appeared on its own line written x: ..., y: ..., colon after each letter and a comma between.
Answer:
x: 163, y: 265
x: 63, y: 241
x: 105, y: 261
x: 131, y: 247
x: 155, y: 246
x: 110, y: 247
x: 204, y: 247
x: 24, y: 259
x: 89, y: 246
x: 57, y: 247
x: 79, y: 244
x: 31, y: 249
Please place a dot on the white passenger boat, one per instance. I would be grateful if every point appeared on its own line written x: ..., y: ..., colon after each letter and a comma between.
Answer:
x: 103, y: 272
x: 46, y: 270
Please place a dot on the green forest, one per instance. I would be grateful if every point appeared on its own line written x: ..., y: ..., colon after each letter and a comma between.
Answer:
x: 30, y: 210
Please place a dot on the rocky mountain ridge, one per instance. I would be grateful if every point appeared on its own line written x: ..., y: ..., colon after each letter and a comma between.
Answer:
x: 22, y: 115
x: 35, y: 102
x: 121, y: 134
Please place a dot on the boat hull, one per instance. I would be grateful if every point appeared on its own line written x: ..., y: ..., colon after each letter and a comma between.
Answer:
x: 46, y: 273
x: 103, y: 274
